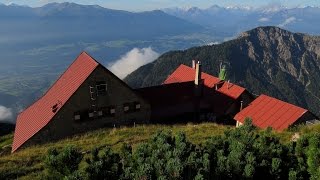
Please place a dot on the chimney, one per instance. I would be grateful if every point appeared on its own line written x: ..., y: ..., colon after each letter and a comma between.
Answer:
x: 198, y: 74
x: 193, y: 64
x: 228, y: 85
x: 241, y: 105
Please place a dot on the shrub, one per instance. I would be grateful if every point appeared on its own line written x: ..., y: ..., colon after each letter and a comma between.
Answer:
x: 63, y: 164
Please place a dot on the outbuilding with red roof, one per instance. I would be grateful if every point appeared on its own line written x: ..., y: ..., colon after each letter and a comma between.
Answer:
x: 266, y: 111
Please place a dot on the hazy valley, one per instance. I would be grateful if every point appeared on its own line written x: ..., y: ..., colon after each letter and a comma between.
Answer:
x: 37, y: 44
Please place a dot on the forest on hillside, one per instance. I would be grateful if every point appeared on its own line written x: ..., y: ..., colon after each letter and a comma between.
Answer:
x: 240, y: 153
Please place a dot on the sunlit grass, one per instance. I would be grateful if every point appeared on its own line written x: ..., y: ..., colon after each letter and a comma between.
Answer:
x: 28, y: 163
x: 6, y: 140
x: 30, y: 160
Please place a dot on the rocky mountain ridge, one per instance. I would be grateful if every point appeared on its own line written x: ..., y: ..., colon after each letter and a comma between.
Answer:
x: 265, y: 60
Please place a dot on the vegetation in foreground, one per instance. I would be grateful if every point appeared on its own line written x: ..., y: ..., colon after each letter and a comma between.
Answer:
x: 29, y: 163
x: 203, y: 151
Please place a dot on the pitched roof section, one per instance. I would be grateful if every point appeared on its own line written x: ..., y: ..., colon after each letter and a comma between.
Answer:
x: 39, y: 114
x: 184, y: 73
x: 267, y: 111
x: 232, y: 90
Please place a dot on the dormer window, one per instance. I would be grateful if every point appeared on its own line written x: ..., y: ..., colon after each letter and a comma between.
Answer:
x: 54, y: 108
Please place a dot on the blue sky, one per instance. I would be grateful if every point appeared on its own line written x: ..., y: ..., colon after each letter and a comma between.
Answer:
x: 141, y: 5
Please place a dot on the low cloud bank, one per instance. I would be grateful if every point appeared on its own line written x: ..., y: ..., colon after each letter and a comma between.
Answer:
x: 132, y: 60
x: 264, y: 19
x: 6, y: 114
x: 287, y: 21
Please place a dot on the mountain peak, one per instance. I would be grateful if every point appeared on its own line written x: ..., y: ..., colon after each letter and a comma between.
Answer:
x: 65, y: 5
x: 269, y: 30
x: 267, y: 60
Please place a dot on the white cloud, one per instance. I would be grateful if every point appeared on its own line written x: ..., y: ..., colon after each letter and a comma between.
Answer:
x: 272, y: 7
x: 6, y: 114
x: 229, y: 38
x: 213, y: 43
x: 132, y: 60
x: 264, y: 19
x: 287, y: 21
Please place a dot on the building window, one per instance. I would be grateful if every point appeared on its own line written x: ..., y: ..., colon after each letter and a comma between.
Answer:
x: 126, y: 107
x: 101, y: 87
x: 109, y: 111
x: 77, y: 116
x: 137, y: 106
x: 103, y: 112
x: 100, y: 113
x: 91, y: 114
x: 112, y: 111
x: 131, y: 107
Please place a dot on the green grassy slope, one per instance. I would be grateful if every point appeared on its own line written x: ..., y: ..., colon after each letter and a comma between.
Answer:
x: 28, y: 163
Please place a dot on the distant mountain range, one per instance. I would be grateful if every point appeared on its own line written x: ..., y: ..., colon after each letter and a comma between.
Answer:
x: 37, y: 44
x: 265, y: 60
x: 230, y: 21
x: 29, y: 34
x: 65, y: 22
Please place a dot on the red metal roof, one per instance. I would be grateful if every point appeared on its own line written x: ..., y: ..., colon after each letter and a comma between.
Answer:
x: 267, y: 111
x: 232, y: 90
x: 39, y: 114
x: 184, y: 73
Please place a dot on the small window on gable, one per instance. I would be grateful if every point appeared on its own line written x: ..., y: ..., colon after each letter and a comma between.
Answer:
x: 101, y: 87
